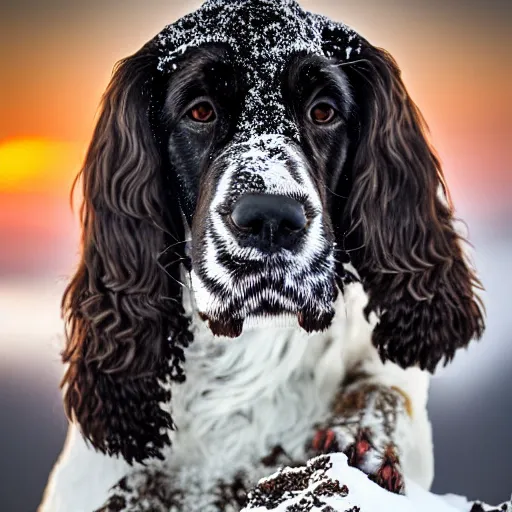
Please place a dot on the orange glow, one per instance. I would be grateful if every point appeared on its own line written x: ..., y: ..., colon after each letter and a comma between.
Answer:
x: 37, y: 165
x: 452, y: 63
x: 36, y: 222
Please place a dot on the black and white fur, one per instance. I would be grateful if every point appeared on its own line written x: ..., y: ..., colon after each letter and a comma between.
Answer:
x: 197, y: 347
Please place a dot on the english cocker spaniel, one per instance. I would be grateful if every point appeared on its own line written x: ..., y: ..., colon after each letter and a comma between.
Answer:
x: 267, y: 238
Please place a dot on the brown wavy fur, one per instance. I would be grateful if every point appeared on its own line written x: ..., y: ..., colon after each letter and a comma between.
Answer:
x: 121, y: 306
x: 401, y: 224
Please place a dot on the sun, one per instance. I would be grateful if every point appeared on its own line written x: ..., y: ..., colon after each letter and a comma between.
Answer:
x: 38, y: 165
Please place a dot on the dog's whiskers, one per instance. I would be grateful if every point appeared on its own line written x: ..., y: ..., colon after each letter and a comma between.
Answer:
x: 171, y: 246
x: 171, y: 276
x: 350, y: 63
x: 335, y: 194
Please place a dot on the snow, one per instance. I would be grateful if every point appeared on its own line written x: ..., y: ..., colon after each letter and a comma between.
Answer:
x: 261, y: 36
x: 358, y: 493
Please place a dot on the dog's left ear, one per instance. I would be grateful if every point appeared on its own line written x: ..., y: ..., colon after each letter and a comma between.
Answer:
x: 400, y: 219
x: 125, y: 324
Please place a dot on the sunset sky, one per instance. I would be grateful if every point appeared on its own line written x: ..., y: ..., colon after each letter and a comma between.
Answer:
x: 56, y: 58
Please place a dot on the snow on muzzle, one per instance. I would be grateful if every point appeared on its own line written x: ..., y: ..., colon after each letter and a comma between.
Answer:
x: 260, y: 245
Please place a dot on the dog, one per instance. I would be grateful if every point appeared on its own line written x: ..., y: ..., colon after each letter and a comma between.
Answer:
x: 269, y: 268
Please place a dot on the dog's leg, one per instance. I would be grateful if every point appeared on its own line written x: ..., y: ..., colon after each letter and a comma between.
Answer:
x: 158, y: 490
x: 379, y: 421
x: 147, y: 489
x: 190, y: 489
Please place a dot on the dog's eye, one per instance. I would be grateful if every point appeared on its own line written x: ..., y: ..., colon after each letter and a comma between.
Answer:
x: 322, y: 113
x: 202, y: 112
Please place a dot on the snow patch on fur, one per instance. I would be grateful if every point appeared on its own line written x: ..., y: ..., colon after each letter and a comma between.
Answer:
x: 310, y: 491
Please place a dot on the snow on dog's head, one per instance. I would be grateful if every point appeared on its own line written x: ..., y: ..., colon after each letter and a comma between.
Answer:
x: 262, y: 240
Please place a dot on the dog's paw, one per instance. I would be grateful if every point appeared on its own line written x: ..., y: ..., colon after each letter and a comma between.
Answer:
x: 378, y: 458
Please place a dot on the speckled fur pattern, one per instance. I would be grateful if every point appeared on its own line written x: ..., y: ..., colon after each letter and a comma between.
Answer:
x: 271, y: 492
x: 233, y: 283
x: 152, y: 490
x: 370, y: 424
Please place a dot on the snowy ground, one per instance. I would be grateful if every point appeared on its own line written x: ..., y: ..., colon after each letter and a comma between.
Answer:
x: 345, y: 489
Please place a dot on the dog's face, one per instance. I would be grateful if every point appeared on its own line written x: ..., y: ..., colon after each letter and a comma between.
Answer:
x: 256, y: 194
x: 279, y: 142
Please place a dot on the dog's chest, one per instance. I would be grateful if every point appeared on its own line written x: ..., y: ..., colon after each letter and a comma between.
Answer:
x: 243, y: 397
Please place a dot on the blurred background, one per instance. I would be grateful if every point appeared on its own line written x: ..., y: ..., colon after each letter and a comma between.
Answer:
x: 55, y: 60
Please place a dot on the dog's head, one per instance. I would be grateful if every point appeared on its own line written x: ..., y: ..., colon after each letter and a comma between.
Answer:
x: 261, y: 147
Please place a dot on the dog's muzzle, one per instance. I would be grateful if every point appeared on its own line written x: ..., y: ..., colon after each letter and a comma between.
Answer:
x: 265, y: 249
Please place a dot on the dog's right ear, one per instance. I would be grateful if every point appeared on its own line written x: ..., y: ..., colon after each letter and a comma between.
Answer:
x: 125, y: 323
x: 398, y: 222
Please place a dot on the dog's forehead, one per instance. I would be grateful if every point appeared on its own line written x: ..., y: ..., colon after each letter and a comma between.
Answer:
x: 262, y: 35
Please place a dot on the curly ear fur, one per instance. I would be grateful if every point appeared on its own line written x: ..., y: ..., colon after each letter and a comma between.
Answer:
x: 400, y: 221
x: 125, y: 324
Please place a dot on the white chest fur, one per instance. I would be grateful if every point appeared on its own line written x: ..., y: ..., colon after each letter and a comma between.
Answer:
x: 268, y: 387
x: 244, y: 396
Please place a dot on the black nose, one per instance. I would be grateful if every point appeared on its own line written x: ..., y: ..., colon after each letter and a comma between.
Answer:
x: 269, y: 222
